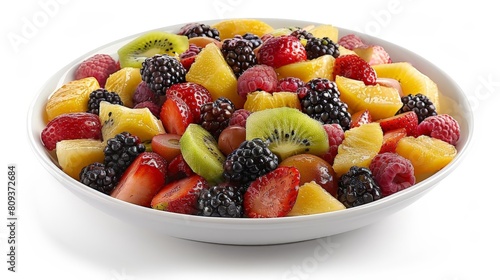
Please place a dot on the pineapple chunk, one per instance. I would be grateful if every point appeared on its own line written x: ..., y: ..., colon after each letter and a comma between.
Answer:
x: 74, y: 155
x: 321, y: 67
x: 261, y: 100
x: 313, y: 199
x: 231, y: 27
x: 124, y: 82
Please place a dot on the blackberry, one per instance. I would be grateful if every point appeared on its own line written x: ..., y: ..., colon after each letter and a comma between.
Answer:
x: 215, y: 115
x: 221, y: 201
x: 320, y: 99
x: 249, y: 161
x: 99, y: 177
x: 238, y: 54
x: 162, y: 71
x: 202, y: 30
x: 317, y: 47
x: 357, y: 187
x: 302, y: 34
x: 254, y: 40
x: 121, y: 150
x: 99, y: 95
x: 418, y: 103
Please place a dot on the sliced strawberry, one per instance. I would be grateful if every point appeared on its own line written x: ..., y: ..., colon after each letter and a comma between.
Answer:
x: 142, y: 179
x: 178, y: 169
x: 391, y: 139
x: 279, y: 51
x: 354, y: 67
x: 166, y: 145
x: 175, y: 115
x: 188, y: 61
x: 272, y: 195
x: 180, y: 196
x: 407, y: 120
x: 71, y: 126
x: 194, y: 95
x: 360, y: 118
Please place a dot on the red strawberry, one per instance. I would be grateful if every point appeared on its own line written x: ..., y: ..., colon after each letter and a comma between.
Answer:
x: 350, y: 41
x: 283, y: 50
x: 188, y: 61
x: 99, y: 66
x: 142, y: 179
x: 353, y: 67
x: 258, y: 77
x: 360, y: 118
x: 273, y: 194
x: 335, y: 137
x: 391, y: 139
x: 175, y: 115
x: 178, y: 169
x: 71, y: 126
x: 407, y: 120
x: 194, y: 95
x: 180, y: 196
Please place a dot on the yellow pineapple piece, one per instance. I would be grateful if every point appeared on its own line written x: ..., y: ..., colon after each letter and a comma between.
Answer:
x: 72, y: 97
x: 231, y: 27
x: 116, y: 119
x: 73, y: 155
x: 412, y: 81
x: 211, y: 71
x: 313, y: 199
x: 382, y: 102
x: 326, y: 30
x: 260, y: 100
x: 124, y: 82
x: 321, y: 67
x: 344, y: 51
x: 361, y: 144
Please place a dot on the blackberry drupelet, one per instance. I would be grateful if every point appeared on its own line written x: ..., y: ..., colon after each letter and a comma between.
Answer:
x: 221, y: 201
x: 255, y: 40
x: 418, y: 103
x: 249, y: 161
x: 162, y: 71
x: 99, y: 177
x: 99, y: 95
x: 121, y: 150
x: 202, y: 30
x: 239, y: 54
x: 302, y: 34
x: 215, y: 115
x: 320, y: 99
x: 357, y: 187
x: 317, y: 47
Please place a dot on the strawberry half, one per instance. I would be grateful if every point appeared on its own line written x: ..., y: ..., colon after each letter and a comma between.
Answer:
x: 407, y: 120
x: 180, y: 196
x: 391, y: 139
x: 178, y: 169
x: 71, y: 126
x: 194, y: 95
x: 142, y: 179
x: 273, y: 194
x: 175, y: 115
x: 99, y: 66
x: 354, y: 67
x: 279, y: 51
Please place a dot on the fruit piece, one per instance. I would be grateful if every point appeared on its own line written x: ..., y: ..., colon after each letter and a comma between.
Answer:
x: 140, y: 122
x: 142, y: 180
x: 261, y: 100
x: 200, y: 30
x: 212, y: 72
x: 99, y: 66
x: 351, y: 41
x: 357, y: 187
x: 272, y: 195
x: 373, y: 54
x: 178, y: 169
x: 202, y: 42
x: 149, y: 44
x: 335, y: 137
x: 391, y: 139
x: 259, y: 77
x: 154, y: 108
x: 175, y: 115
x: 71, y: 126
x: 231, y: 27
x: 427, y: 155
x: 315, y: 169
x: 361, y: 144
x: 321, y: 67
x: 180, y: 196
x: 73, y: 155
x: 231, y: 138
x: 354, y: 67
x: 121, y: 150
x: 288, y: 131
x: 72, y: 97
x: 239, y: 118
x: 221, y: 201
x: 408, y: 121
x: 280, y: 51
x: 99, y: 177
x: 319, y: 46
x: 313, y: 199
x: 388, y: 82
x: 418, y: 103
x: 215, y: 115
x: 193, y: 95
x: 143, y: 93
x: 392, y: 173
x: 124, y: 82
x: 382, y: 102
x: 361, y: 117
x: 201, y: 153
x: 411, y: 79
x: 161, y: 72
x: 325, y: 30
x: 239, y: 54
x: 443, y: 127
x: 290, y: 84
x: 166, y: 145
x: 99, y: 95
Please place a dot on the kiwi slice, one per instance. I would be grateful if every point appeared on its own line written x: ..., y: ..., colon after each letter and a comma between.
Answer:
x: 288, y: 132
x: 201, y: 153
x: 147, y: 45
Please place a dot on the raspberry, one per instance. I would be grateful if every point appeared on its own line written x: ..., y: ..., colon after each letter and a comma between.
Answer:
x: 335, y: 137
x: 239, y: 118
x: 258, y: 77
x: 392, y: 173
x: 379, y: 56
x: 443, y: 127
x: 351, y: 42
x: 154, y: 108
x: 290, y: 84
x: 193, y: 50
x: 99, y: 66
x: 144, y: 93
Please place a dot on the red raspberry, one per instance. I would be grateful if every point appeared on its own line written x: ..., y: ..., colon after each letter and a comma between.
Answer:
x: 392, y: 173
x: 154, y: 108
x: 290, y: 84
x: 239, y: 118
x: 354, y: 67
x: 350, y: 41
x: 99, y: 66
x: 144, y: 93
x: 443, y: 127
x: 258, y: 77
x: 335, y: 137
x: 283, y: 50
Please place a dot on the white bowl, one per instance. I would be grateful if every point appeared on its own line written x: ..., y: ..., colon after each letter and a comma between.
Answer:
x: 257, y: 231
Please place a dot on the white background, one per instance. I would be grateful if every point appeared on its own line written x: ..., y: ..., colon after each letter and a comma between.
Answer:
x: 450, y: 234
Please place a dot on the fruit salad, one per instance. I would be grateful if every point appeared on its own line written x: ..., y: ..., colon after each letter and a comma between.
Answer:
x: 239, y: 119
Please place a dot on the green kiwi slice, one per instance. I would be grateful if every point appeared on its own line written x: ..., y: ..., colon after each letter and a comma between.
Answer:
x: 201, y: 153
x: 147, y: 45
x: 288, y: 132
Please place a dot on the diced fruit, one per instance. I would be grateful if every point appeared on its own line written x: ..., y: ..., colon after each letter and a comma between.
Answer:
x: 166, y: 145
x: 280, y: 51
x: 224, y: 200
x: 117, y: 119
x: 325, y: 30
x: 142, y: 179
x: 443, y: 127
x: 391, y: 139
x: 291, y: 84
x: 231, y: 138
x: 257, y: 78
x: 194, y: 95
x: 313, y: 199
x: 351, y: 41
x: 215, y: 116
x: 272, y: 195
x: 72, y: 97
x: 392, y: 173
x: 373, y: 54
x: 382, y: 102
x: 73, y: 155
x: 124, y: 82
x: 231, y: 27
x: 202, y: 42
x: 180, y: 196
x: 178, y: 169
x: 354, y: 67
x: 261, y: 100
x: 361, y: 117
x: 335, y: 137
x: 388, y: 82
x: 321, y: 67
x: 175, y: 115
x: 408, y: 121
x: 121, y: 150
x: 360, y: 146
x: 99, y: 66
